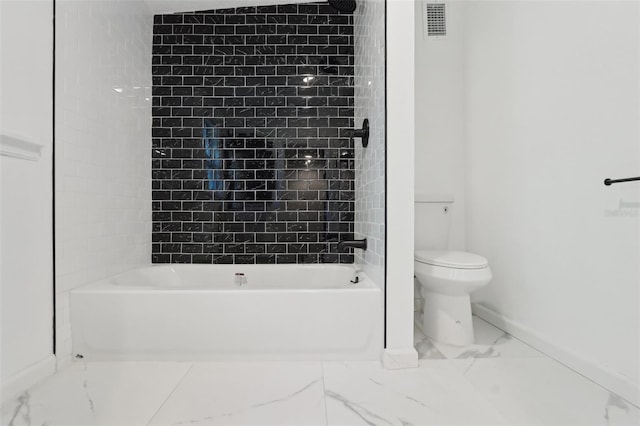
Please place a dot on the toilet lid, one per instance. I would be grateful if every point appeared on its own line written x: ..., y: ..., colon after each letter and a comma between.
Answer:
x: 451, y: 259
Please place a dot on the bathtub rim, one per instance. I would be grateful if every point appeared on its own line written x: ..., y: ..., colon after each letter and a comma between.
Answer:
x: 106, y: 285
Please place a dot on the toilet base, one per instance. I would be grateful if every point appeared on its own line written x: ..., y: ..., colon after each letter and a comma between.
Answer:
x: 447, y: 318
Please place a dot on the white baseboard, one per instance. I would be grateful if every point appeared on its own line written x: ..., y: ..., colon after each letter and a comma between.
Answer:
x: 22, y: 381
x: 608, y: 379
x: 395, y: 359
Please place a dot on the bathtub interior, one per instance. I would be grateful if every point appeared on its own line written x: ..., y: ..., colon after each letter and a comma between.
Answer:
x: 256, y: 277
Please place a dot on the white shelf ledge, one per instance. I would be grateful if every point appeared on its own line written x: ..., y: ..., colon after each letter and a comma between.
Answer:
x: 15, y: 146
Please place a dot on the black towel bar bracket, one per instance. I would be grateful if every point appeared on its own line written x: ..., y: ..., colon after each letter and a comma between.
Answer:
x: 608, y: 181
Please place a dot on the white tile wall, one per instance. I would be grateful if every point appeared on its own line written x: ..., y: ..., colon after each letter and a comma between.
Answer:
x: 103, y: 145
x: 370, y: 162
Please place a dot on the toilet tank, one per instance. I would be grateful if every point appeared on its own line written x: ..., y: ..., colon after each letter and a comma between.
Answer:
x: 432, y: 221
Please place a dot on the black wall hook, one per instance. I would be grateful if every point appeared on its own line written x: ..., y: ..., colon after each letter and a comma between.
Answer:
x: 363, y: 133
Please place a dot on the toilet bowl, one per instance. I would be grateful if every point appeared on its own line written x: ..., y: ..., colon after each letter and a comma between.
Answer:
x: 446, y: 280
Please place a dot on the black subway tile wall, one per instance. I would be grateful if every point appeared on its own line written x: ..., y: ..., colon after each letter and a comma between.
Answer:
x: 252, y: 159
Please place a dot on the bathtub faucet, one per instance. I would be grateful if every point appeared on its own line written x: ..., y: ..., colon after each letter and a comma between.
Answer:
x: 360, y: 244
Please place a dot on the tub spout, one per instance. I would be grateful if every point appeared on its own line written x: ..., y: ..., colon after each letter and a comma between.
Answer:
x: 360, y: 244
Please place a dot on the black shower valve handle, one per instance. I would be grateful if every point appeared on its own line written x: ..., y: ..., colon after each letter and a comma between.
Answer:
x: 363, y: 133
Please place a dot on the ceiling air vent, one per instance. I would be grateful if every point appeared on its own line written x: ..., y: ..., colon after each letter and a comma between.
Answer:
x: 435, y: 20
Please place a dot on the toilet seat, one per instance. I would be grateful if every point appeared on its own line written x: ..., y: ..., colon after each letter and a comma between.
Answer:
x: 451, y: 259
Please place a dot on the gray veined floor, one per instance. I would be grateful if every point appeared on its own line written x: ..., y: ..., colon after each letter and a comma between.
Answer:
x: 499, y: 381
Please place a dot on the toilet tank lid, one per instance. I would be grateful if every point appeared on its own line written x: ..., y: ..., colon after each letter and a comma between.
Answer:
x: 451, y: 259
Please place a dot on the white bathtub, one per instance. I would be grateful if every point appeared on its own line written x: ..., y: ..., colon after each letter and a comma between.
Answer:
x: 198, y: 312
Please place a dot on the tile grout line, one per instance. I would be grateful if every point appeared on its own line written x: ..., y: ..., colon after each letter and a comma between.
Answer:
x: 324, y: 396
x: 170, y: 393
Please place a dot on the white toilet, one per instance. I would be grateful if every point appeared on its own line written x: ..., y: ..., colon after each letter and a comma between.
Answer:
x: 446, y: 277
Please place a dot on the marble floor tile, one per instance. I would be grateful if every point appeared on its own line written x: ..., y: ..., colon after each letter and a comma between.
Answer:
x: 245, y: 393
x: 497, y: 381
x: 490, y: 342
x: 541, y: 391
x: 99, y: 393
x: 426, y: 349
x: 433, y: 394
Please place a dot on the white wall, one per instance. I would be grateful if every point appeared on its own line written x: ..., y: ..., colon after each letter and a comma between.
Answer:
x: 400, y: 183
x: 369, y: 82
x: 441, y: 120
x: 103, y: 145
x: 553, y: 108
x: 440, y: 115
x: 26, y: 269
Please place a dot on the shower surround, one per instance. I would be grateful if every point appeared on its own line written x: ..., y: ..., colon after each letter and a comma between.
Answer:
x: 252, y: 156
